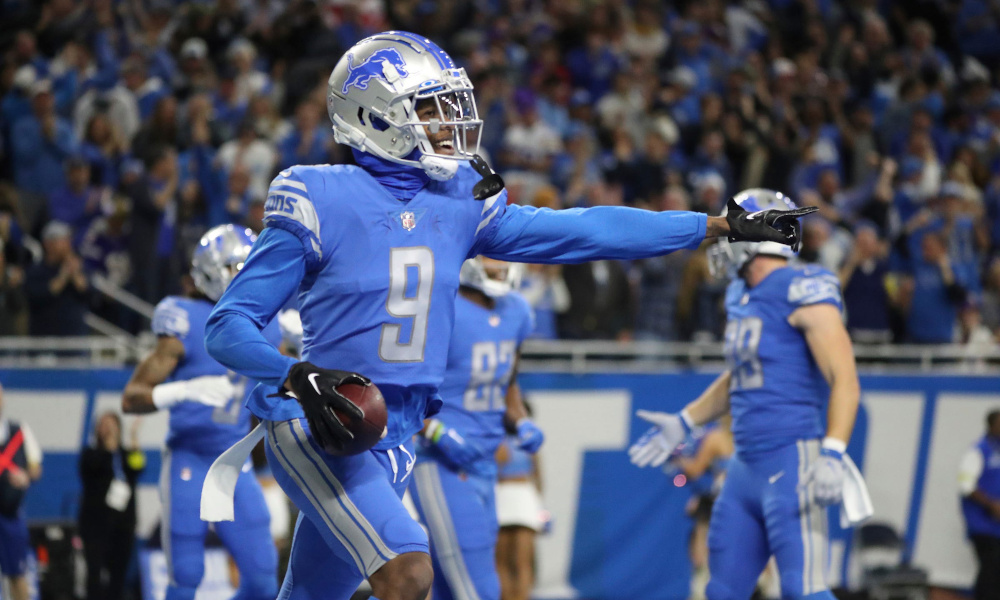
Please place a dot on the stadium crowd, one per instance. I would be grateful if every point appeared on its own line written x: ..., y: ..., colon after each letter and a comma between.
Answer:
x: 129, y: 127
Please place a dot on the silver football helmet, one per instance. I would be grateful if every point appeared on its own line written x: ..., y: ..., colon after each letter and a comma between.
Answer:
x: 726, y: 259
x: 220, y: 254
x: 374, y: 94
x: 491, y: 277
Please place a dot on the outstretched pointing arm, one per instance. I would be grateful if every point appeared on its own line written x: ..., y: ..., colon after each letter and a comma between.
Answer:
x: 528, y: 234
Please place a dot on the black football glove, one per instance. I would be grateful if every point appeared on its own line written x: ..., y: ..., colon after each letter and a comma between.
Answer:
x: 491, y: 184
x: 771, y: 225
x: 316, y: 391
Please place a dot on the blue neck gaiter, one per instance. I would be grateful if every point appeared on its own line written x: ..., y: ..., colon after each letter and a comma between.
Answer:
x: 402, y: 181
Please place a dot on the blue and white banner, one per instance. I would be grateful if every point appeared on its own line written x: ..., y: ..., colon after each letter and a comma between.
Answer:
x: 618, y: 531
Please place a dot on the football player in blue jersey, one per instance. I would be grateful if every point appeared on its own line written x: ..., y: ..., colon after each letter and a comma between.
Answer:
x: 206, y: 417
x: 456, y: 473
x: 789, y: 359
x: 374, y: 253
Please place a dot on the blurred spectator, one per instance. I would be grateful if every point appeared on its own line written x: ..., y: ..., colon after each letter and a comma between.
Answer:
x: 40, y: 143
x: 659, y: 281
x: 257, y: 156
x: 146, y: 90
x: 154, y: 197
x: 161, y: 129
x: 104, y: 247
x: 109, y: 473
x: 13, y: 304
x: 57, y: 286
x: 112, y: 99
x: 309, y: 143
x: 931, y: 294
x: 601, y: 303
x: 105, y: 149
x: 20, y: 465
x: 979, y: 486
x: 529, y: 144
x: 863, y: 279
x: 78, y: 202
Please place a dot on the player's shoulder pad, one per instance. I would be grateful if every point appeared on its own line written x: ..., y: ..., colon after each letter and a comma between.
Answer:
x: 296, y: 198
x: 811, y: 284
x: 171, y: 317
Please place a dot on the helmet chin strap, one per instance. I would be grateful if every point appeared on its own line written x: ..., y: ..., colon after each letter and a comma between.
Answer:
x: 438, y: 169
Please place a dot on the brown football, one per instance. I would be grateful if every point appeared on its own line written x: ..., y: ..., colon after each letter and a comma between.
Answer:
x: 369, y: 430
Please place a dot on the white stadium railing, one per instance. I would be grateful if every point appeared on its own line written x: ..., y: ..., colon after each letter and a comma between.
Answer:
x: 117, y: 348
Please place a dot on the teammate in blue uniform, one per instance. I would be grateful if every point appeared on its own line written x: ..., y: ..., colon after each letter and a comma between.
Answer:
x: 456, y: 473
x: 207, y: 416
x: 374, y: 252
x: 789, y: 357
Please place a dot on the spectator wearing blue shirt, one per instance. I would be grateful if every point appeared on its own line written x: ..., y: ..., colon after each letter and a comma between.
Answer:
x: 104, y: 148
x: 40, y: 143
x: 932, y: 293
x: 77, y: 203
x: 146, y: 90
x: 309, y: 142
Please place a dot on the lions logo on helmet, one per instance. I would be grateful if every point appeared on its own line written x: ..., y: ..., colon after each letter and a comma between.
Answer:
x: 727, y: 259
x: 491, y: 277
x: 376, y: 90
x: 376, y: 66
x: 220, y: 254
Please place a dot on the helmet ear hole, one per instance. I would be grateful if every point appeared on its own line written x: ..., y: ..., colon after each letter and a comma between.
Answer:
x: 379, y: 124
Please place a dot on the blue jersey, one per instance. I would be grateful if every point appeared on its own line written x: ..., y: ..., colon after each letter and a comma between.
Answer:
x: 194, y: 426
x: 777, y: 393
x: 377, y: 276
x: 481, y: 360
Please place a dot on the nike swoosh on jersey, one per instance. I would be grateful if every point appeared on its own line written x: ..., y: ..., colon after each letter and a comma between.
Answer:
x: 775, y: 477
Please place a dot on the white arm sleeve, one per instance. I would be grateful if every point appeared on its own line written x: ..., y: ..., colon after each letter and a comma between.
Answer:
x: 32, y: 451
x: 969, y: 471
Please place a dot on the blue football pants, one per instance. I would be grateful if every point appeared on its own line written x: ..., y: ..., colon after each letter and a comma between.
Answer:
x: 762, y: 511
x: 460, y: 514
x: 247, y: 537
x: 352, y: 519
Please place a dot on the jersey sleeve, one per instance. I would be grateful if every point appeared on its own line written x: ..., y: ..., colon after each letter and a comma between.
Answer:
x: 817, y: 286
x: 541, y: 235
x: 290, y: 207
x: 234, y: 333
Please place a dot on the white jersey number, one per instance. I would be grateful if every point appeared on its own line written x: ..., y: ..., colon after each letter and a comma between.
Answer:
x: 489, y: 359
x: 411, y: 279
x: 742, y: 342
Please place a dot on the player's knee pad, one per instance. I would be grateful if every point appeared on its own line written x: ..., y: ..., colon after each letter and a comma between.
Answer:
x: 718, y: 590
x: 187, y: 571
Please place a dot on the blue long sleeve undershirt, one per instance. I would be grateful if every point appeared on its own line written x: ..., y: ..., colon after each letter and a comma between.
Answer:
x: 272, y: 273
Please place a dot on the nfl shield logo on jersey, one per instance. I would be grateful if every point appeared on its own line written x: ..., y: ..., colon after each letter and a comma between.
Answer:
x: 409, y: 220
